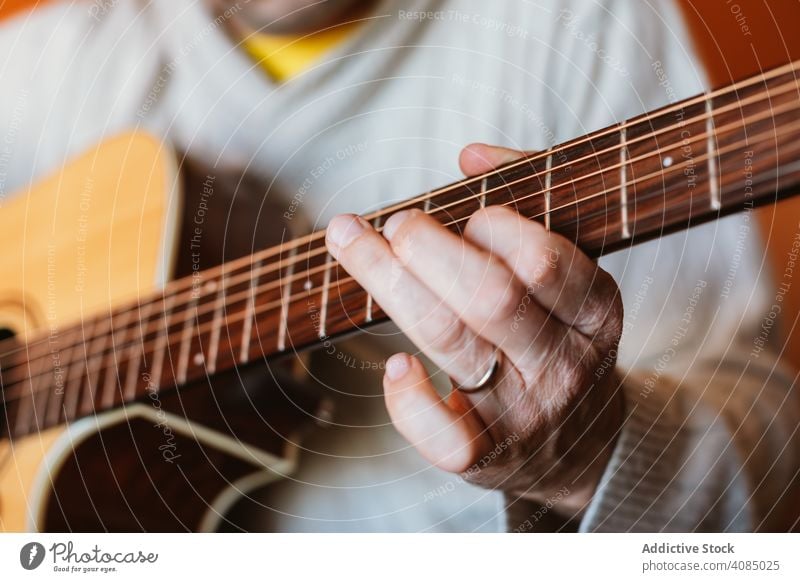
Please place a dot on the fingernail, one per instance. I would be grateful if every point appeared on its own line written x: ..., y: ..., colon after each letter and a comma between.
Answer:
x: 342, y: 230
x: 395, y: 220
x: 397, y: 366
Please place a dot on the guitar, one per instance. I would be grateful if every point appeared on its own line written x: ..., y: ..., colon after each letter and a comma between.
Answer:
x: 109, y: 419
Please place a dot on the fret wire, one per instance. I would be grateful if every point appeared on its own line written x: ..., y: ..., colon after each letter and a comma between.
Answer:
x: 753, y: 99
x: 426, y: 207
x: 216, y: 327
x: 47, y: 393
x: 607, y: 191
x: 645, y: 157
x: 159, y: 355
x: 110, y: 384
x: 716, y: 203
x: 644, y: 120
x: 731, y: 149
x: 375, y: 224
x: 689, y: 205
x: 137, y: 355
x: 71, y: 404
x: 52, y: 399
x: 6, y: 422
x: 55, y: 406
x: 738, y: 126
x: 653, y: 196
x: 247, y: 326
x: 548, y: 182
x: 641, y: 120
x: 524, y: 179
x: 595, y: 195
x: 266, y: 308
x: 26, y: 411
x: 186, y: 341
x: 623, y: 187
x: 286, y: 291
x: 483, y: 192
x: 89, y: 392
x: 325, y: 290
x: 772, y: 75
x: 712, y: 154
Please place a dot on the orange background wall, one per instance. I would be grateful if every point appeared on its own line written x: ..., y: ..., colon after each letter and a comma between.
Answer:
x: 9, y: 6
x: 730, y: 51
x: 729, y: 54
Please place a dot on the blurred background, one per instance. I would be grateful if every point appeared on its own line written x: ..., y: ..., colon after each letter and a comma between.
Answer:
x: 734, y: 38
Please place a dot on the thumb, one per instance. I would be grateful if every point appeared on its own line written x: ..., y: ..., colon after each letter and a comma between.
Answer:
x: 479, y: 158
x: 450, y: 437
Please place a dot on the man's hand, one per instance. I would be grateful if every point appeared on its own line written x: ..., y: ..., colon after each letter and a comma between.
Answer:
x: 549, y: 419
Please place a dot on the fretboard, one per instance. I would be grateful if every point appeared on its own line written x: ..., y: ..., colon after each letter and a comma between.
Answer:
x: 692, y: 161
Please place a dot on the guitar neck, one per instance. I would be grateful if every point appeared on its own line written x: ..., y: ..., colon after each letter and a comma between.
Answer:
x: 690, y: 162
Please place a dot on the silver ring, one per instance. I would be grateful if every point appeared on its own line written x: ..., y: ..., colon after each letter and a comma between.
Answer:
x: 486, y: 379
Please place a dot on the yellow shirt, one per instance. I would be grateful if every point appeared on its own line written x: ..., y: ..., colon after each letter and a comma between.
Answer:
x: 284, y: 56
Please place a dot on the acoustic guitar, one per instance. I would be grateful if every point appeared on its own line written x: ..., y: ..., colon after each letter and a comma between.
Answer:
x: 112, y: 415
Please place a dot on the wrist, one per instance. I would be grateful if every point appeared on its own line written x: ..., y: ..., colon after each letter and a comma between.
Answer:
x: 582, y: 448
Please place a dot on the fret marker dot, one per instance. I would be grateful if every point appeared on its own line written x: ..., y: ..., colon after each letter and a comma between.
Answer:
x: 667, y: 162
x: 198, y: 359
x: 210, y: 286
x: 307, y: 285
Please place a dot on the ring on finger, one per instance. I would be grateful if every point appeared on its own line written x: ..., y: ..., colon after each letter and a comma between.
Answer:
x: 487, y: 379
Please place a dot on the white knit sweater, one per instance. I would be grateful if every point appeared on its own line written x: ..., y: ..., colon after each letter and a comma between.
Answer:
x: 709, y: 440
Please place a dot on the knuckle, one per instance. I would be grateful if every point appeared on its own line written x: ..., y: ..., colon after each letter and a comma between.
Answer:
x: 490, y: 217
x: 497, y: 304
x: 449, y: 335
x: 614, y: 317
x: 498, y: 297
x: 409, y: 238
x: 363, y: 254
x: 567, y: 364
x: 546, y: 268
x: 603, y: 317
x: 411, y: 225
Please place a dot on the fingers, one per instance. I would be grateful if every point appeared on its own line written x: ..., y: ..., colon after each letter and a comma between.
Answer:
x: 479, y: 158
x: 477, y: 286
x: 555, y: 273
x: 429, y: 322
x: 452, y: 438
x: 562, y: 278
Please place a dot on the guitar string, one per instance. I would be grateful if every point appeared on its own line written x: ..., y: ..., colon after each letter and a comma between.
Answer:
x: 274, y: 285
x: 248, y: 275
x: 95, y: 409
x: 247, y: 262
x: 746, y: 83
x: 340, y: 283
x: 257, y: 273
x: 770, y: 92
x: 93, y: 403
x: 647, y: 118
x: 539, y: 156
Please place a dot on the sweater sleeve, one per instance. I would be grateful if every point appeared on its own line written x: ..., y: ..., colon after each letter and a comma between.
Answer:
x: 713, y: 449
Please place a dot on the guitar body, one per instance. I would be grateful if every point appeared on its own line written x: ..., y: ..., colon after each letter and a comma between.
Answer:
x: 97, y: 234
